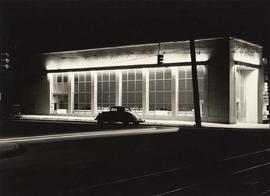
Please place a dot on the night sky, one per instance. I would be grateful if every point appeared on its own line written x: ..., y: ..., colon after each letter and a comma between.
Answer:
x: 29, y: 26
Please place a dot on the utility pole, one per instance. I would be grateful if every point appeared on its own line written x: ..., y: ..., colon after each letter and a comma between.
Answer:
x: 196, y: 97
x: 159, y: 56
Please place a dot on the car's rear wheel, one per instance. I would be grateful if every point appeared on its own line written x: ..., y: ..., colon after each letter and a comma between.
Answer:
x: 126, y: 122
x: 135, y: 123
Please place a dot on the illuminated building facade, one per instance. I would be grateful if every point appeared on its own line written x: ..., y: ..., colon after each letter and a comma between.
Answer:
x: 84, y: 82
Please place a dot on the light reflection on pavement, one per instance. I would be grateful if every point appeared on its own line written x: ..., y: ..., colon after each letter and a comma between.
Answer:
x: 96, y: 134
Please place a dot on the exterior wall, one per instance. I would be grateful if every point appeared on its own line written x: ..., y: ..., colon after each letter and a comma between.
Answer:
x: 119, y: 56
x: 174, y: 52
x: 252, y: 97
x: 35, y: 99
x: 247, y: 54
x: 215, y: 54
x: 217, y: 80
x: 34, y: 87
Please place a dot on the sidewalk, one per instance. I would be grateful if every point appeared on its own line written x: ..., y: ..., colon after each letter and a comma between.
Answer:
x: 147, y: 121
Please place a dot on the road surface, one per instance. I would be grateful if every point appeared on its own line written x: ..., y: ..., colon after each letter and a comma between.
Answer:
x: 117, y: 160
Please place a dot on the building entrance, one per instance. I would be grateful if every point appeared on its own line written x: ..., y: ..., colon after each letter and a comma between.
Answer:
x: 60, y: 103
x: 246, y: 94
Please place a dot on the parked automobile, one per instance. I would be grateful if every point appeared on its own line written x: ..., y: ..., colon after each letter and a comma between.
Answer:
x: 118, y: 114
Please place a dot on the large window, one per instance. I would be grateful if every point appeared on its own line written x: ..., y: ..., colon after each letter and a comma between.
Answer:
x: 60, y: 83
x: 106, y: 89
x: 61, y: 78
x: 82, y: 91
x: 160, y: 89
x: 59, y: 91
x: 186, y: 89
x: 132, y: 89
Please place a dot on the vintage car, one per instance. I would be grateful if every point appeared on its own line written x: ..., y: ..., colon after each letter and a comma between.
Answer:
x: 118, y: 114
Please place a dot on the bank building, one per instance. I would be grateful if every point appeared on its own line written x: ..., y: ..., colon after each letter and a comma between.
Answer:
x: 85, y: 82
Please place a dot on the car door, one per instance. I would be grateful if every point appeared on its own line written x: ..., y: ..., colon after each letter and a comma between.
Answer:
x: 119, y: 115
x: 113, y: 115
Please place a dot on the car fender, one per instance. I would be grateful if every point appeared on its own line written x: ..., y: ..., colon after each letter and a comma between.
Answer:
x: 132, y: 117
x: 99, y: 116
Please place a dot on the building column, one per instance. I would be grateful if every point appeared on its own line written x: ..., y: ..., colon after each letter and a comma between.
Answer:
x: 118, y: 98
x: 145, y: 92
x: 260, y: 95
x: 94, y: 93
x: 205, y: 107
x: 70, y: 93
x: 175, y: 90
x: 50, y: 85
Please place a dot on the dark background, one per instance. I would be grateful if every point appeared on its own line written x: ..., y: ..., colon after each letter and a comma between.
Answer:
x: 30, y: 27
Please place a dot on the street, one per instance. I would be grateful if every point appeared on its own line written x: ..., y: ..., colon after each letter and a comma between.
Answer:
x: 42, y: 127
x: 136, y: 161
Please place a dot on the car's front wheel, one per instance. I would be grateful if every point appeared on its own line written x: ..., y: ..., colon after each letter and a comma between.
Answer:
x: 100, y: 121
